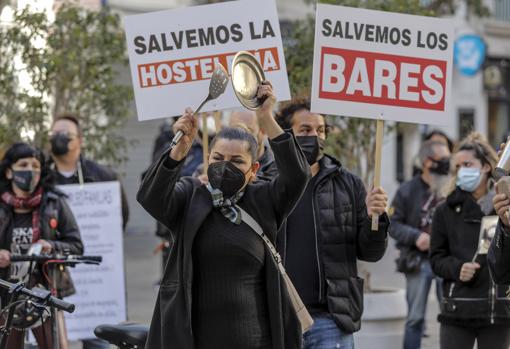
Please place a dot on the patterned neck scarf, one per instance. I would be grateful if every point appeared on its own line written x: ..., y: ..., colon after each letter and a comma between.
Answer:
x: 33, y: 202
x: 227, y: 206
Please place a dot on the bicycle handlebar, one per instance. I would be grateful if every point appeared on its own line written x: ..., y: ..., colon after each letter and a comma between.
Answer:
x: 41, y: 295
x: 57, y: 258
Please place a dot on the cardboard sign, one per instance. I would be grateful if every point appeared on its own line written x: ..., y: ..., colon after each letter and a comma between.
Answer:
x: 487, y: 233
x: 385, y: 65
x: 172, y: 53
x: 100, y: 290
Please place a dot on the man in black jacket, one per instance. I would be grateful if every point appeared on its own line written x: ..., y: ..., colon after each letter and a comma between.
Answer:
x: 411, y: 217
x: 328, y: 231
x: 71, y: 167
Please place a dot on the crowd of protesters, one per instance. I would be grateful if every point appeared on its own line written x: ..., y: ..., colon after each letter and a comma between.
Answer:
x: 34, y: 212
x: 435, y: 220
x: 221, y: 286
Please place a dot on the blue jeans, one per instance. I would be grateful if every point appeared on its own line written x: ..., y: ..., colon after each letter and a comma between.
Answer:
x: 325, y: 334
x: 95, y: 343
x: 417, y: 293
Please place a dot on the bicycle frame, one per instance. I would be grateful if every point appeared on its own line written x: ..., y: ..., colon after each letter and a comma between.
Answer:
x: 17, y: 289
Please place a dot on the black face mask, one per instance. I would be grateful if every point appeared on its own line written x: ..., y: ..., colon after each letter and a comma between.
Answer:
x: 441, y: 167
x: 223, y: 175
x: 60, y: 144
x: 25, y: 180
x: 312, y: 146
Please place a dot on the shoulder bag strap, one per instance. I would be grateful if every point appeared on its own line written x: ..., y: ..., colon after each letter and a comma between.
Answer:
x: 302, y: 313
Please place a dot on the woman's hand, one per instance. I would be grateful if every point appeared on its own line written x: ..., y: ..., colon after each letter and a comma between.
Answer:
x: 46, y: 246
x: 467, y: 271
x: 5, y: 258
x: 502, y: 207
x: 188, y: 124
x: 265, y: 115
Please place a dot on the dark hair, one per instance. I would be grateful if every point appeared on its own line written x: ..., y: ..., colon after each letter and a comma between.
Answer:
x: 238, y: 134
x: 70, y: 117
x: 436, y: 132
x: 286, y: 113
x: 22, y: 150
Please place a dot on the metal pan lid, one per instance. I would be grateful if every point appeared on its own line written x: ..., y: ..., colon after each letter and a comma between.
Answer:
x: 247, y: 75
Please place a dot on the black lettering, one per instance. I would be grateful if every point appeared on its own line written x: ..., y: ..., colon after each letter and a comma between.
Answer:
x: 178, y: 40
x: 140, y: 44
x: 369, y: 32
x: 164, y: 43
x: 191, y: 38
x: 154, y: 44
x: 237, y: 34
x: 381, y: 34
x: 395, y: 36
x: 406, y: 37
x: 252, y: 32
x: 358, y: 30
x: 432, y: 40
x: 267, y: 30
x: 347, y: 35
x: 443, y: 41
x: 226, y: 35
x: 326, y: 27
x: 338, y: 30
x: 419, y: 43
x: 206, y: 36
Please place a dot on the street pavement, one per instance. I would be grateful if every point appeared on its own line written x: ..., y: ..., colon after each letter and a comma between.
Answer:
x: 143, y: 270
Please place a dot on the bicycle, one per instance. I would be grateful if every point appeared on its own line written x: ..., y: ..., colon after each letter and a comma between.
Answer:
x: 39, y: 297
x: 56, y: 261
x: 124, y: 336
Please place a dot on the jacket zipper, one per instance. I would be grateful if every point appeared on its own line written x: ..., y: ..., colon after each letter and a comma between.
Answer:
x: 493, y: 301
x: 317, y: 250
x: 451, y: 289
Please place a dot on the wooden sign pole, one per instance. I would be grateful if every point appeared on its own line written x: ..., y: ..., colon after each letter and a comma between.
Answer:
x: 205, y: 142
x: 377, y: 174
x: 217, y: 120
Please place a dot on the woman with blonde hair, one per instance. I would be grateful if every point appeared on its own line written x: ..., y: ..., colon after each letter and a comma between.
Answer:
x: 473, y: 307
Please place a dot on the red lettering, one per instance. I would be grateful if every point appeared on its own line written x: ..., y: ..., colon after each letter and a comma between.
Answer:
x: 385, y: 79
x: 198, y: 68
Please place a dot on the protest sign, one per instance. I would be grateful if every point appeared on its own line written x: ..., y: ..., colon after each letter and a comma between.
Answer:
x: 382, y: 65
x: 172, y: 53
x: 100, y: 290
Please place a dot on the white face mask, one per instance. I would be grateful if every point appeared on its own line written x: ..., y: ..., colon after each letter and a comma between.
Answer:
x: 469, y: 178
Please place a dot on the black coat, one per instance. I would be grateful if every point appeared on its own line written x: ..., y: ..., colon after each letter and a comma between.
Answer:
x: 406, y: 212
x: 66, y: 238
x: 182, y: 205
x: 499, y: 256
x: 268, y: 169
x: 454, y: 241
x: 344, y: 235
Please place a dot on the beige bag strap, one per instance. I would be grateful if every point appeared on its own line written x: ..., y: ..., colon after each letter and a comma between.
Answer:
x: 303, y: 315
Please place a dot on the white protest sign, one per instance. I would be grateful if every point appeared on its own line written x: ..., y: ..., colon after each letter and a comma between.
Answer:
x: 385, y: 65
x: 100, y: 290
x: 172, y: 53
